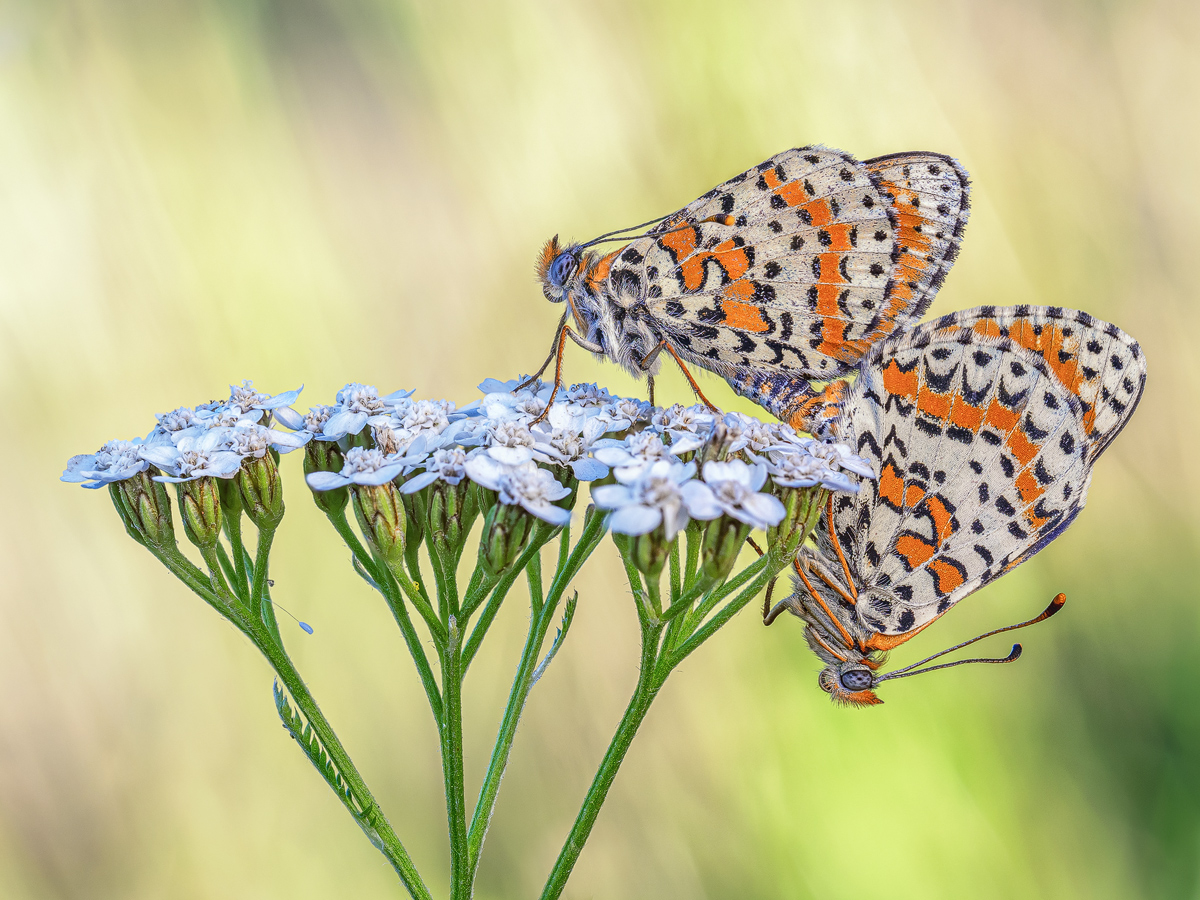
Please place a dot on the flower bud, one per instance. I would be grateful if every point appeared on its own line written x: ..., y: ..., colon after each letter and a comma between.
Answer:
x: 415, y: 510
x: 231, y: 498
x: 326, y: 456
x: 200, y: 509
x: 262, y: 491
x: 803, y: 507
x: 648, y: 552
x: 506, y: 531
x: 715, y: 448
x: 452, y: 512
x: 145, y: 508
x: 720, y: 545
x: 131, y: 529
x: 485, y: 498
x: 381, y: 517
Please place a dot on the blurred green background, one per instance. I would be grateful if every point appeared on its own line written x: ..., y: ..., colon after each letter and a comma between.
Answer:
x: 322, y: 191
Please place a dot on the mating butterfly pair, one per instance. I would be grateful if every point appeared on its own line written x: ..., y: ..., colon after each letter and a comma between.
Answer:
x: 982, y: 426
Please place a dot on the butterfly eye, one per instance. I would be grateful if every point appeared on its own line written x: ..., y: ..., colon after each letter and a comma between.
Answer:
x: 856, y: 680
x: 561, y: 268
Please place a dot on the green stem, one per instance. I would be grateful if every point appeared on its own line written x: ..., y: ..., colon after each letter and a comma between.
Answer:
x: 233, y: 530
x: 390, y: 589
x: 693, y: 550
x: 412, y: 640
x: 570, y: 560
x: 342, y: 526
x: 389, y: 843
x: 187, y: 572
x: 503, y: 586
x: 216, y: 576
x: 416, y: 595
x: 533, y: 575
x: 477, y: 590
x: 720, y: 592
x: 416, y: 579
x: 709, y: 628
x: 517, y: 697
x: 656, y: 666
x: 447, y: 581
x: 676, y: 575
x: 262, y: 556
x: 452, y: 764
x: 639, y: 704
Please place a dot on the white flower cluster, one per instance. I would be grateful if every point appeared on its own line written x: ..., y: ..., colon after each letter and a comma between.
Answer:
x: 507, y: 442
x: 188, y: 443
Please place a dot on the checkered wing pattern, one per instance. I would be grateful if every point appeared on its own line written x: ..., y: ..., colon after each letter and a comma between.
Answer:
x: 929, y: 196
x: 790, y: 271
x: 1096, y: 361
x: 983, y: 457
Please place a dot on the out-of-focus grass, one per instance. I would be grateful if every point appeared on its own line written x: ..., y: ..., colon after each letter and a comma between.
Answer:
x: 196, y: 192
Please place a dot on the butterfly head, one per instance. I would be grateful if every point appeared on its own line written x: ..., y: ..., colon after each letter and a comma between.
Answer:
x: 557, y: 269
x: 834, y: 634
x: 849, y: 683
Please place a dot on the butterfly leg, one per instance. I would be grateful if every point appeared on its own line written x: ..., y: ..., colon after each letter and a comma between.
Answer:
x: 565, y: 331
x: 554, y: 350
x: 766, y: 610
x: 650, y: 387
x: 653, y: 355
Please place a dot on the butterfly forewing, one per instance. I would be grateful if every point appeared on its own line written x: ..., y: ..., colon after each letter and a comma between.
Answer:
x: 982, y: 456
x: 1095, y: 360
x: 785, y: 274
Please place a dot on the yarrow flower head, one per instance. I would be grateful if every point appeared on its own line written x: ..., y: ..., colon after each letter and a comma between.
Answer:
x: 115, y: 461
x: 798, y: 468
x: 688, y: 427
x: 364, y: 466
x: 733, y: 489
x: 356, y: 405
x: 448, y: 465
x: 633, y: 455
x: 648, y: 497
x: 840, y: 456
x: 567, y: 438
x: 256, y: 440
x: 533, y: 489
x: 193, y: 458
x: 245, y: 398
x: 503, y: 401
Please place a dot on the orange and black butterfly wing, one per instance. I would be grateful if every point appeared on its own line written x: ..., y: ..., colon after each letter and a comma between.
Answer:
x: 983, y: 457
x: 781, y: 276
x: 1095, y: 360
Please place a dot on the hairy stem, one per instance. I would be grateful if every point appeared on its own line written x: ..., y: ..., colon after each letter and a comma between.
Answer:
x: 452, y: 764
x: 639, y: 704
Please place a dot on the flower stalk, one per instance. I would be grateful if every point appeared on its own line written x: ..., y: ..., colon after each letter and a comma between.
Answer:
x: 679, y: 489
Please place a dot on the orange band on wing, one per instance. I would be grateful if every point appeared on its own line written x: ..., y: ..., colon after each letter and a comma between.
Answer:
x: 879, y: 641
x: 743, y: 316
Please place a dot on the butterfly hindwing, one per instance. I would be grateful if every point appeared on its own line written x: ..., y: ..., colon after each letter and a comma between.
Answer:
x: 1095, y: 360
x: 929, y: 198
x: 982, y: 458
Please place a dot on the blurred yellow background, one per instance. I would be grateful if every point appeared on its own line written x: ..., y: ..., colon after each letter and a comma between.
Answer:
x: 322, y: 191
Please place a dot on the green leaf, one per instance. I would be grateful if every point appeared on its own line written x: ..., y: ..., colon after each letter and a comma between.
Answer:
x: 301, y: 731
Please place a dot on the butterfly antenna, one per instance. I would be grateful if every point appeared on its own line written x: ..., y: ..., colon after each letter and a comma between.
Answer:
x: 610, y: 234
x: 633, y: 237
x: 304, y: 626
x: 1055, y: 605
x: 1012, y: 657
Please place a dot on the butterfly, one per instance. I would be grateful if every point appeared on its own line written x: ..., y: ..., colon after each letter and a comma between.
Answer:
x: 983, y: 427
x: 779, y: 279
